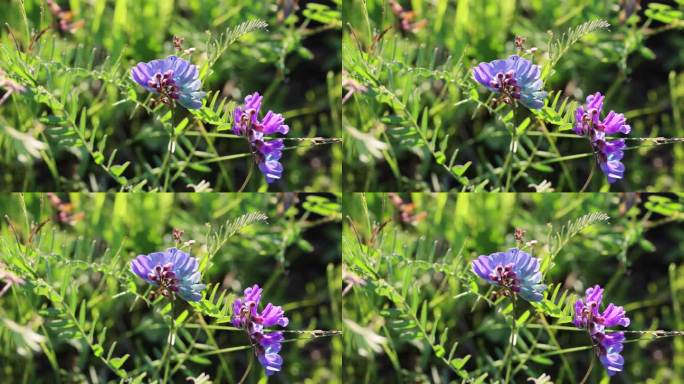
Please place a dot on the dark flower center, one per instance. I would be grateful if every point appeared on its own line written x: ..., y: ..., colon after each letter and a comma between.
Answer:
x: 506, y: 84
x: 506, y: 277
x: 166, y: 86
x: 250, y: 129
x: 587, y: 314
x: 166, y: 278
x: 599, y: 146
x: 592, y: 130
x: 588, y: 126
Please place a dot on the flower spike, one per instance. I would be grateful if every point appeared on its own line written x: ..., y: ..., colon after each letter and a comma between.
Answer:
x: 246, y: 315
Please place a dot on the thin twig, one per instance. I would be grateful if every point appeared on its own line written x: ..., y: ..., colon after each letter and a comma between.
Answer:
x: 509, y: 350
x: 591, y: 174
x: 249, y: 176
x: 169, y: 341
x: 249, y: 368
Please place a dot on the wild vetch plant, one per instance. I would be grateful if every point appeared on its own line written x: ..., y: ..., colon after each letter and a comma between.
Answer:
x: 421, y: 306
x: 174, y: 272
x: 515, y: 80
x: 114, y: 97
x: 207, y: 296
x: 173, y: 79
x: 607, y: 346
x: 488, y: 96
x: 266, y: 154
x: 588, y: 123
x: 246, y: 315
x: 514, y: 271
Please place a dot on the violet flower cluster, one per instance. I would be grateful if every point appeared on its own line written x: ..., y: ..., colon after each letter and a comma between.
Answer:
x: 608, y: 152
x: 515, y: 271
x: 173, y: 79
x: 607, y: 345
x: 515, y: 79
x: 246, y: 123
x: 173, y: 271
x: 246, y: 315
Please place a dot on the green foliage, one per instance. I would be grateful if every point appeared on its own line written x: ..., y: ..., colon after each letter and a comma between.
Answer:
x: 415, y: 120
x: 74, y: 310
x: 414, y: 311
x: 79, y: 122
x: 560, y: 238
x: 218, y: 45
x: 559, y: 45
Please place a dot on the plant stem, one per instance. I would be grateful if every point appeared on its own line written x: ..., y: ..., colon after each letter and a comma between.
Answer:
x: 172, y: 335
x: 591, y: 364
x: 593, y: 165
x: 249, y: 368
x: 249, y: 175
x: 165, y: 169
x: 591, y: 174
x: 251, y: 359
x: 587, y: 375
x: 507, y: 357
x: 507, y: 167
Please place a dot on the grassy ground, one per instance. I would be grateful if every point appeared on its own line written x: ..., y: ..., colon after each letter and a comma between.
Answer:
x: 416, y: 120
x: 414, y: 311
x: 81, y: 123
x: 81, y: 316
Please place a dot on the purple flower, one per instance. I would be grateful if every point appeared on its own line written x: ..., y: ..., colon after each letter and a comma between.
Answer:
x: 173, y: 271
x: 268, y: 346
x: 609, y: 348
x: 173, y: 78
x: 268, y: 162
x: 588, y: 123
x: 514, y: 270
x: 588, y: 118
x: 588, y: 316
x: 515, y: 78
x: 609, y: 154
x: 246, y: 123
x: 246, y: 315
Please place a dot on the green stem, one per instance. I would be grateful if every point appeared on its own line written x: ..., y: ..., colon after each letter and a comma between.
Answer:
x: 554, y: 147
x: 545, y: 324
x: 591, y: 174
x: 165, y: 169
x: 591, y: 364
x: 249, y: 368
x: 588, y: 374
x: 251, y: 359
x: 507, y: 167
x: 509, y: 350
x: 166, y: 356
x: 249, y: 175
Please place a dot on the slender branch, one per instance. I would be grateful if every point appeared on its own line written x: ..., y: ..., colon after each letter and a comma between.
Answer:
x: 591, y: 174
x: 249, y: 176
x: 249, y: 368
x: 591, y: 364
x: 172, y: 335
x: 509, y: 350
x: 507, y: 166
x: 545, y: 324
x: 165, y: 169
x: 588, y: 374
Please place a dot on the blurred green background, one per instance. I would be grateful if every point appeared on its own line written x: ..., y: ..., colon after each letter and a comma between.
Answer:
x: 409, y: 69
x: 295, y: 63
x: 82, y: 253
x: 410, y: 295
